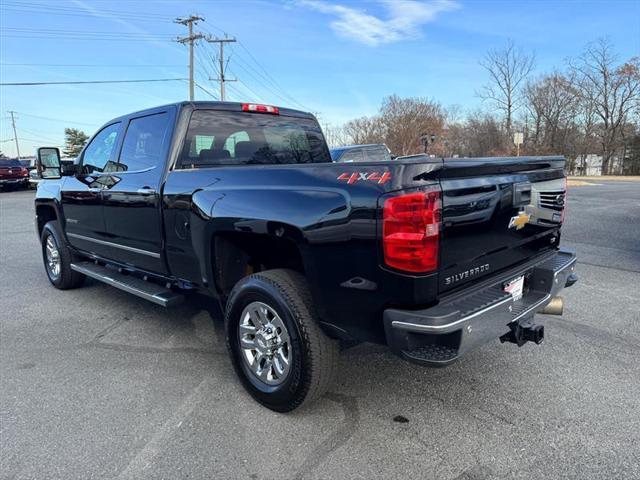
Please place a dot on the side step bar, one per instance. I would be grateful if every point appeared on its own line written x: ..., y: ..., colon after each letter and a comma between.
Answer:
x: 148, y: 290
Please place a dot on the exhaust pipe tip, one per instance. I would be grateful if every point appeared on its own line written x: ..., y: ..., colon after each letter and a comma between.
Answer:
x: 554, y: 307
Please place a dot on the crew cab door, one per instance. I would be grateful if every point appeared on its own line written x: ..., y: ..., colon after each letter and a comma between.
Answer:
x: 131, y: 201
x: 81, y: 194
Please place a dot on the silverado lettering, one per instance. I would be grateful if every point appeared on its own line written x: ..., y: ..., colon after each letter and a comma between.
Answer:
x: 466, y: 274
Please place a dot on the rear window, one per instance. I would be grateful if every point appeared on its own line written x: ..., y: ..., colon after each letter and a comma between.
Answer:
x: 352, y: 156
x: 234, y: 138
x: 378, y: 154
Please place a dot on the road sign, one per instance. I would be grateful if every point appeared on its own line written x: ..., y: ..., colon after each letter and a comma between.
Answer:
x: 518, y: 138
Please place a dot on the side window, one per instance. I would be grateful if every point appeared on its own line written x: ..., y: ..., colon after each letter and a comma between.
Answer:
x: 144, y: 142
x: 351, y: 156
x: 99, y: 153
x: 233, y: 139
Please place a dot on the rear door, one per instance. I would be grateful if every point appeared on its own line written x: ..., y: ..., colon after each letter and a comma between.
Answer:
x: 488, y: 218
x: 131, y: 200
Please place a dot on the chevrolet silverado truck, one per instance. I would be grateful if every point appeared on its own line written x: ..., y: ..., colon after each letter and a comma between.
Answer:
x: 432, y: 257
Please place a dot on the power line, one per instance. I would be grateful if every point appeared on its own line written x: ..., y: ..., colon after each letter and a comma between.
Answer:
x: 205, y: 90
x: 89, y: 65
x: 257, y: 97
x: 264, y: 85
x: 92, y: 38
x: 29, y: 84
x: 73, y: 11
x: 45, y: 11
x: 72, y: 122
x: 267, y: 80
x: 268, y: 75
x: 83, y: 32
x: 69, y: 8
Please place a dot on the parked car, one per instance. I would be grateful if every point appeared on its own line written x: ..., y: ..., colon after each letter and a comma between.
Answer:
x: 243, y: 203
x: 361, y: 153
x: 13, y: 174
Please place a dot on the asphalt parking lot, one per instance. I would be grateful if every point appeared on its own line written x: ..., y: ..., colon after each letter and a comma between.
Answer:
x: 95, y: 383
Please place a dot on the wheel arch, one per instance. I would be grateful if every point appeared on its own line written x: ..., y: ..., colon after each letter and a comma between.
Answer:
x: 235, y: 255
x: 45, y: 212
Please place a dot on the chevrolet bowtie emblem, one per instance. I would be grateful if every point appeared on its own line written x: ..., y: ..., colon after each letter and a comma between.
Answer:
x: 519, y: 221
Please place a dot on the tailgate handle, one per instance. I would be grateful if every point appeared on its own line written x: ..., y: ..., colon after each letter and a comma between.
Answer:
x: 521, y: 194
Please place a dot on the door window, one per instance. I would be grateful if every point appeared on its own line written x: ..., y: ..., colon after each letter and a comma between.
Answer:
x: 98, y: 155
x: 144, y: 143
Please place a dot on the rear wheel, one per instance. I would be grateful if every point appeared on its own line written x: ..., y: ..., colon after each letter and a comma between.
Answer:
x: 278, y: 350
x: 58, y: 257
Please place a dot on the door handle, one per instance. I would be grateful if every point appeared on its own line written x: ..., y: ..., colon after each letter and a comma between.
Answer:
x: 146, y: 191
x: 94, y: 189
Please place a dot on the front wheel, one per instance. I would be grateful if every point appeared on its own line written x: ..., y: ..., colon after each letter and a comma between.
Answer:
x: 58, y: 257
x: 278, y: 350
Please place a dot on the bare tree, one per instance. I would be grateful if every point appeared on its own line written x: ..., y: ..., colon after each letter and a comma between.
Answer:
x: 613, y: 91
x: 552, y: 102
x: 406, y: 120
x: 508, y: 69
x: 365, y: 130
x: 484, y: 136
x: 334, y: 135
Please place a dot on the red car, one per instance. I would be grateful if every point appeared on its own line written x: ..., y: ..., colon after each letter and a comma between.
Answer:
x: 13, y: 174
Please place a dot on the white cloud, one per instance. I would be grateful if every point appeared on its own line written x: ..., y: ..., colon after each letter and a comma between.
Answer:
x: 403, y: 20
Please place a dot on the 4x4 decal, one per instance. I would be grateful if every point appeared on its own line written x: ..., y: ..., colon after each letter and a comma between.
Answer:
x: 352, y: 177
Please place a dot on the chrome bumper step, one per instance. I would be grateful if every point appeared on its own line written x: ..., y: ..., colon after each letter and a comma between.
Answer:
x: 150, y: 291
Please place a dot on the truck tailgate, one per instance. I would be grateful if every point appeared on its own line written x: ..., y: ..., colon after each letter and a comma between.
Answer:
x: 491, y: 217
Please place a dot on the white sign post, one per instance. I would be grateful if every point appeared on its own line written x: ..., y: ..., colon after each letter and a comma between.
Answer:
x: 518, y: 139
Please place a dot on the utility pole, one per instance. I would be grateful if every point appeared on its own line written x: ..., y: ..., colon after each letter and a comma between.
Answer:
x: 222, y: 78
x: 190, y: 39
x: 15, y: 135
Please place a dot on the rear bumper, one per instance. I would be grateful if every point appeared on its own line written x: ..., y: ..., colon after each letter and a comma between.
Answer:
x: 439, y: 335
x: 14, y: 181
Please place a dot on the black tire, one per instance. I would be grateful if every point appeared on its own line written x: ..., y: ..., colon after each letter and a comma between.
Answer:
x: 314, y: 356
x: 66, y: 278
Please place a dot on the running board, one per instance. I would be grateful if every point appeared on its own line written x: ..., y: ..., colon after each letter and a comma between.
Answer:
x: 148, y: 290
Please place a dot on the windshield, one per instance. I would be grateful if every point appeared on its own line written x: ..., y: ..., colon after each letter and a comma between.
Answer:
x: 232, y: 138
x: 10, y: 163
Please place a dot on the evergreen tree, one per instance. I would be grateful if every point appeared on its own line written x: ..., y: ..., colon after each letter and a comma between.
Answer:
x: 74, y: 141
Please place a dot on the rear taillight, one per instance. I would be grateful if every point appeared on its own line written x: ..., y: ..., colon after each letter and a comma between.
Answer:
x: 24, y: 172
x: 411, y: 231
x: 252, y: 107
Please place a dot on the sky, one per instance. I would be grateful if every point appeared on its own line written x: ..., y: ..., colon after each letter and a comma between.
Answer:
x: 338, y: 59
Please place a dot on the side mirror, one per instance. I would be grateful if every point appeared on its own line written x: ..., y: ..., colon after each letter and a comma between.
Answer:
x: 69, y: 169
x: 48, y: 162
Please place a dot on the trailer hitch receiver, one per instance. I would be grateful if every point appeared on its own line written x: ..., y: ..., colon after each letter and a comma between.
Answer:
x: 523, y: 332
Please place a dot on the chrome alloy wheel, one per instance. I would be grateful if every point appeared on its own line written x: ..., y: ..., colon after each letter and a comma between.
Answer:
x: 265, y: 343
x: 53, y: 257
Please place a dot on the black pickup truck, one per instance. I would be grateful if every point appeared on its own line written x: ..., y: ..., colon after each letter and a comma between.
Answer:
x: 431, y: 257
